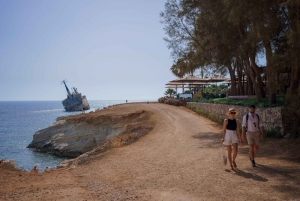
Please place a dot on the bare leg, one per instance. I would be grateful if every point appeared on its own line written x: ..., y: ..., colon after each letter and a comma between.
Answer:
x: 229, y: 155
x: 255, y: 149
x: 235, y: 150
x: 251, y: 153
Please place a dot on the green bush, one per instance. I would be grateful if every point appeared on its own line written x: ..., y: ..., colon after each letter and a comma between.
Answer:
x: 207, y: 98
x: 170, y: 101
x: 205, y: 114
x: 173, y: 101
x: 161, y: 100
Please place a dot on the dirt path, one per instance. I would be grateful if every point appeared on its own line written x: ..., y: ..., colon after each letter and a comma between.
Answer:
x: 178, y: 160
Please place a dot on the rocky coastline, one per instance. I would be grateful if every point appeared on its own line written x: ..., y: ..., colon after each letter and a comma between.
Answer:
x: 72, y: 136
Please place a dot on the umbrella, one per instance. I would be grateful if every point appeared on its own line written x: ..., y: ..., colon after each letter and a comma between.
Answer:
x: 198, y: 84
x: 174, y: 86
x: 189, y: 79
x: 174, y: 83
x: 216, y: 79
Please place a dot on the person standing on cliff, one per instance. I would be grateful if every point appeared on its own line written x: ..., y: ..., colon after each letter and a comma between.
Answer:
x: 83, y: 109
x: 253, y: 127
x: 35, y: 170
x: 231, y: 136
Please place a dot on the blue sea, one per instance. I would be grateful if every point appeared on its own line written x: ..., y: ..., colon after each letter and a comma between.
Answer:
x: 19, y: 120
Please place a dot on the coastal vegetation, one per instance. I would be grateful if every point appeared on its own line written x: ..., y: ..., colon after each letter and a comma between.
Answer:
x: 170, y: 92
x: 205, y: 114
x: 170, y: 101
x: 246, y: 102
x: 228, y: 37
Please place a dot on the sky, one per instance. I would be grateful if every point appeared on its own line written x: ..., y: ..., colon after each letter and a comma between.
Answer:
x: 108, y: 50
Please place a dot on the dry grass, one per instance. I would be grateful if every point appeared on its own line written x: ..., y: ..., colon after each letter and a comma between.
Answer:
x: 132, y: 133
x: 100, y: 117
x: 139, y: 124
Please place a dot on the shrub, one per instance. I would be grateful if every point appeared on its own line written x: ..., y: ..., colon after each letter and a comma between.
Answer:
x: 173, y: 101
x: 222, y: 95
x: 205, y: 114
x: 274, y: 133
x: 250, y: 101
x: 212, y: 96
x: 197, y: 95
x: 161, y: 100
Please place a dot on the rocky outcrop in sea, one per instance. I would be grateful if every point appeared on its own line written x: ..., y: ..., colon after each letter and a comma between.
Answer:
x: 74, y: 135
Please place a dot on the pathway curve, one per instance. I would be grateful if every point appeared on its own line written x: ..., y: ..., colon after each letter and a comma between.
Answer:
x: 180, y: 159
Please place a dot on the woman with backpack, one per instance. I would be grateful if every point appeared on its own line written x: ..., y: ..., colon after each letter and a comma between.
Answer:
x: 231, y: 136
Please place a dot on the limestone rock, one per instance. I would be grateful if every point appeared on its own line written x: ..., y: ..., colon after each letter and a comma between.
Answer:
x: 77, y: 134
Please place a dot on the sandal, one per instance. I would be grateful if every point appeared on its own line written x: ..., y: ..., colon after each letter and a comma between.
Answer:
x: 231, y: 167
x: 234, y: 164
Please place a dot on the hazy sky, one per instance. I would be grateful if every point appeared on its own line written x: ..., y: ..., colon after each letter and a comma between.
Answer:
x: 108, y: 49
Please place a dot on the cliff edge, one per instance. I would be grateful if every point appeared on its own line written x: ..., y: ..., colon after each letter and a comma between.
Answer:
x: 77, y: 134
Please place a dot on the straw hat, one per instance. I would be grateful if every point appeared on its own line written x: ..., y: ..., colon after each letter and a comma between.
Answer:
x: 232, y: 110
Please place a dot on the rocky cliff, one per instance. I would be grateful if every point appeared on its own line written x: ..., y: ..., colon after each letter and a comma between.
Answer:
x: 74, y: 135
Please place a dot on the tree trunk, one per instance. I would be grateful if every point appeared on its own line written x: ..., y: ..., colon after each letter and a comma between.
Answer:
x: 271, y: 73
x: 252, y: 68
x: 295, y: 74
x: 249, y: 86
x: 258, y: 75
x: 239, y: 71
x: 232, y: 78
x: 293, y: 19
x: 252, y: 76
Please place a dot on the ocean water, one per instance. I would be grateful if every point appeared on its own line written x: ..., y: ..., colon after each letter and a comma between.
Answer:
x: 19, y: 120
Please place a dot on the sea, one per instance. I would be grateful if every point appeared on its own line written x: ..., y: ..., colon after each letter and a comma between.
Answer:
x: 19, y: 120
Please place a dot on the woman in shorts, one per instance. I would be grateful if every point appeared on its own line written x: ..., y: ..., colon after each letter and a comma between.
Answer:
x: 231, y: 136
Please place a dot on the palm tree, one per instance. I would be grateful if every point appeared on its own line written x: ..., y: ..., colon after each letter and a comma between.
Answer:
x: 170, y: 92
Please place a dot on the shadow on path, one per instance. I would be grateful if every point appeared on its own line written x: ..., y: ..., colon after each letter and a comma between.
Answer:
x: 248, y: 175
x: 209, y: 139
x: 289, y: 177
x: 278, y: 171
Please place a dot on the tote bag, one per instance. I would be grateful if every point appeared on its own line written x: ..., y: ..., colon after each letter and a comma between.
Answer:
x: 223, y: 157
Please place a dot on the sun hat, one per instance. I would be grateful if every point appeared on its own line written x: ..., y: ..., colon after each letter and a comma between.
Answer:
x: 232, y: 110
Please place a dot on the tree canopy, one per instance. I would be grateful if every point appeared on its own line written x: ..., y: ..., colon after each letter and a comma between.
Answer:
x: 229, y: 36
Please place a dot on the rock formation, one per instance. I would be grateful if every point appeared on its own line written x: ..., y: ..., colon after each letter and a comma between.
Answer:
x: 74, y: 135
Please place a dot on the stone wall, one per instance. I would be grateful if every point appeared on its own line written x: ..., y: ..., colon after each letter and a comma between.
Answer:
x: 271, y: 117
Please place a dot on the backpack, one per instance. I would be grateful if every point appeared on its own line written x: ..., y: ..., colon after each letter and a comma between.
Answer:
x: 247, y: 117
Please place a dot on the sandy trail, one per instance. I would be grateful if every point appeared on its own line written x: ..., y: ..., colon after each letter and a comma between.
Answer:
x: 178, y: 160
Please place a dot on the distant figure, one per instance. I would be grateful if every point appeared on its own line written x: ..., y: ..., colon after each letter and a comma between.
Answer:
x: 47, y: 169
x: 35, y: 170
x: 83, y: 111
x: 126, y: 101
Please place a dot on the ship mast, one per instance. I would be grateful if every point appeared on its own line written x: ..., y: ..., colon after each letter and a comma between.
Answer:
x: 64, y: 81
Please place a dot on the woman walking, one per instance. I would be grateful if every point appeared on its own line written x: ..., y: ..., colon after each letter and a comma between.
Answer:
x: 231, y: 136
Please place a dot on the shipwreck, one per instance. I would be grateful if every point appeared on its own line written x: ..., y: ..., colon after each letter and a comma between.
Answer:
x: 75, y: 101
